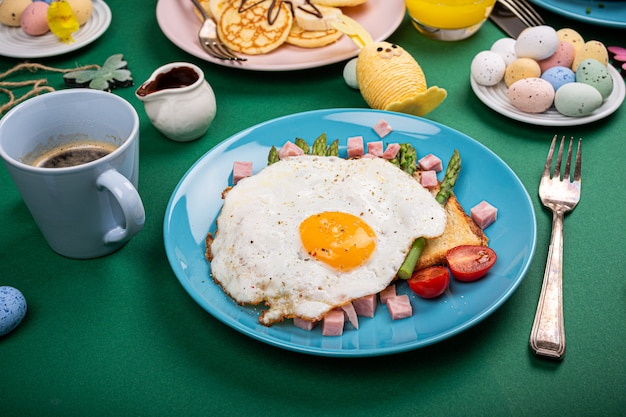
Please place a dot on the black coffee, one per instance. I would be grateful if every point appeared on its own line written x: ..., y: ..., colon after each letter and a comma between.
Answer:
x: 70, y: 155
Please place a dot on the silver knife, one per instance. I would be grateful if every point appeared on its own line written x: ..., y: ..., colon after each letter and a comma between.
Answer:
x: 506, y: 20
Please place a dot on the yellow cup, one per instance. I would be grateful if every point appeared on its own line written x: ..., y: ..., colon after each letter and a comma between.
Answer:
x: 449, y: 20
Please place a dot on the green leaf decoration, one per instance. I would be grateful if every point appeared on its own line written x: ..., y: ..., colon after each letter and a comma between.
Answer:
x: 113, y: 73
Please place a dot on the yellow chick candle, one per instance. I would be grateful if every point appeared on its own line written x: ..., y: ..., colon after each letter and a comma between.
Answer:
x: 388, y: 76
x: 62, y: 20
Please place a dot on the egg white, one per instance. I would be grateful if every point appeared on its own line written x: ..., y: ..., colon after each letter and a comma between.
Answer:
x: 257, y: 254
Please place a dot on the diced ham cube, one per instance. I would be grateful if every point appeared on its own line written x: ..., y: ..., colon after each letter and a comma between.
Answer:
x: 289, y: 149
x: 399, y: 307
x: 429, y: 179
x: 391, y: 151
x: 375, y: 148
x: 430, y: 162
x: 304, y: 324
x: 365, y: 306
x: 241, y: 170
x: 387, y: 293
x: 355, y: 146
x: 350, y: 314
x: 332, y: 325
x: 368, y: 156
x: 484, y: 214
x: 382, y: 128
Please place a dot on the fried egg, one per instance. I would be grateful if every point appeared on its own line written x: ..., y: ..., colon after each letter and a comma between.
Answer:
x: 308, y: 234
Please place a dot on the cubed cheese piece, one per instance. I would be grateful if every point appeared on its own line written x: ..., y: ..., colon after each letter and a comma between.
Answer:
x: 382, y: 128
x: 399, y: 307
x: 484, y: 214
x: 430, y: 162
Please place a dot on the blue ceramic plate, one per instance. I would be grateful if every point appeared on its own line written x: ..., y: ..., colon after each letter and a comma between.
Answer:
x: 598, y: 12
x: 194, y: 206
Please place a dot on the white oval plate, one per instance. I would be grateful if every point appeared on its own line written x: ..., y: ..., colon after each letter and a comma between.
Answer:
x: 14, y: 43
x: 380, y: 18
x: 496, y: 99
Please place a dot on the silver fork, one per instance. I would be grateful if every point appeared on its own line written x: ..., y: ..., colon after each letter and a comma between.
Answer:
x: 524, y: 11
x: 547, y: 337
x: 209, y: 38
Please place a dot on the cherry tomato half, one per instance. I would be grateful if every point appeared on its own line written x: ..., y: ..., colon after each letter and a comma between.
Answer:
x: 430, y: 282
x: 469, y: 262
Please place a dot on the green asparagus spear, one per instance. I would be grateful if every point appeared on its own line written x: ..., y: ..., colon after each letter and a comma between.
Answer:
x: 301, y: 143
x: 272, y: 156
x: 407, y: 158
x: 445, y: 190
x: 319, y: 145
x: 452, y: 173
x: 333, y: 149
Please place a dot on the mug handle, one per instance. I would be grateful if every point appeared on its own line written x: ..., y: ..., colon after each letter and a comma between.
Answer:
x: 130, y: 202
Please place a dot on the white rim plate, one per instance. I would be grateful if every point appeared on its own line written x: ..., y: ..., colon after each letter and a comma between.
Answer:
x: 380, y: 18
x: 495, y: 98
x: 195, y: 203
x: 14, y: 43
x: 603, y: 13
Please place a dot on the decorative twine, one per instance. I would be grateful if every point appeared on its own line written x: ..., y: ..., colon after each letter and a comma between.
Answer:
x: 38, y: 86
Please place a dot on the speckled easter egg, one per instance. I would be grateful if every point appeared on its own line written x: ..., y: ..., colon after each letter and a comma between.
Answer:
x: 349, y: 74
x: 577, y: 99
x: 521, y: 68
x: 591, y: 50
x: 558, y: 76
x: 563, y: 57
x: 11, y: 12
x: 34, y: 20
x: 487, y: 68
x: 531, y: 95
x: 597, y: 75
x: 571, y: 36
x: 505, y: 47
x: 12, y: 309
x: 537, y: 42
x: 82, y: 9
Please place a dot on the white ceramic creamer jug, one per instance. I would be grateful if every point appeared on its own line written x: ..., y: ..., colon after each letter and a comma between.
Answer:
x: 179, y: 101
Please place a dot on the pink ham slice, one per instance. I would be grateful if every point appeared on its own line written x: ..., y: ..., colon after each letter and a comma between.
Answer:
x: 375, y: 148
x: 391, y: 151
x: 289, y: 149
x: 382, y: 128
x: 350, y: 314
x: 304, y: 324
x: 484, y: 214
x: 365, y: 306
x: 429, y: 179
x: 241, y: 170
x: 332, y: 325
x: 355, y: 146
x: 387, y: 293
x: 399, y: 307
x: 430, y: 162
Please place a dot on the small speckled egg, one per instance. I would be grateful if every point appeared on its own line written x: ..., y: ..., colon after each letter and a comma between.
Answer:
x: 12, y: 309
x: 597, y: 75
x: 82, y: 9
x: 571, y: 36
x: 488, y: 68
x: 591, y: 49
x: 558, y: 76
x: 521, y: 68
x: 537, y: 42
x: 11, y: 11
x: 349, y: 74
x: 505, y: 47
x: 531, y: 95
x: 577, y: 99
x: 563, y: 57
x: 34, y: 20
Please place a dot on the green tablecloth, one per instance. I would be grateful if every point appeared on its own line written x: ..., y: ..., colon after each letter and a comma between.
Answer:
x: 120, y: 336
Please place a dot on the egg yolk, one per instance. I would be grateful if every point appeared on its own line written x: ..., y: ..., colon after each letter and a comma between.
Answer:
x: 341, y: 240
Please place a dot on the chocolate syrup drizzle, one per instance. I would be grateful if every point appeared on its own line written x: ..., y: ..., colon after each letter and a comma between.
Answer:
x: 274, y: 9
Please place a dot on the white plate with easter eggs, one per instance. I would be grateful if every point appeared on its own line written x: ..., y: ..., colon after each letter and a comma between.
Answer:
x: 15, y: 43
x: 196, y: 202
x: 496, y: 99
x: 380, y: 18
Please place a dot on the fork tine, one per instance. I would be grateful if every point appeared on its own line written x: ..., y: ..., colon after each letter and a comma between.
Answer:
x: 568, y: 161
x: 577, y: 168
x: 559, y: 157
x: 548, y: 165
x: 532, y: 13
x: 512, y: 7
